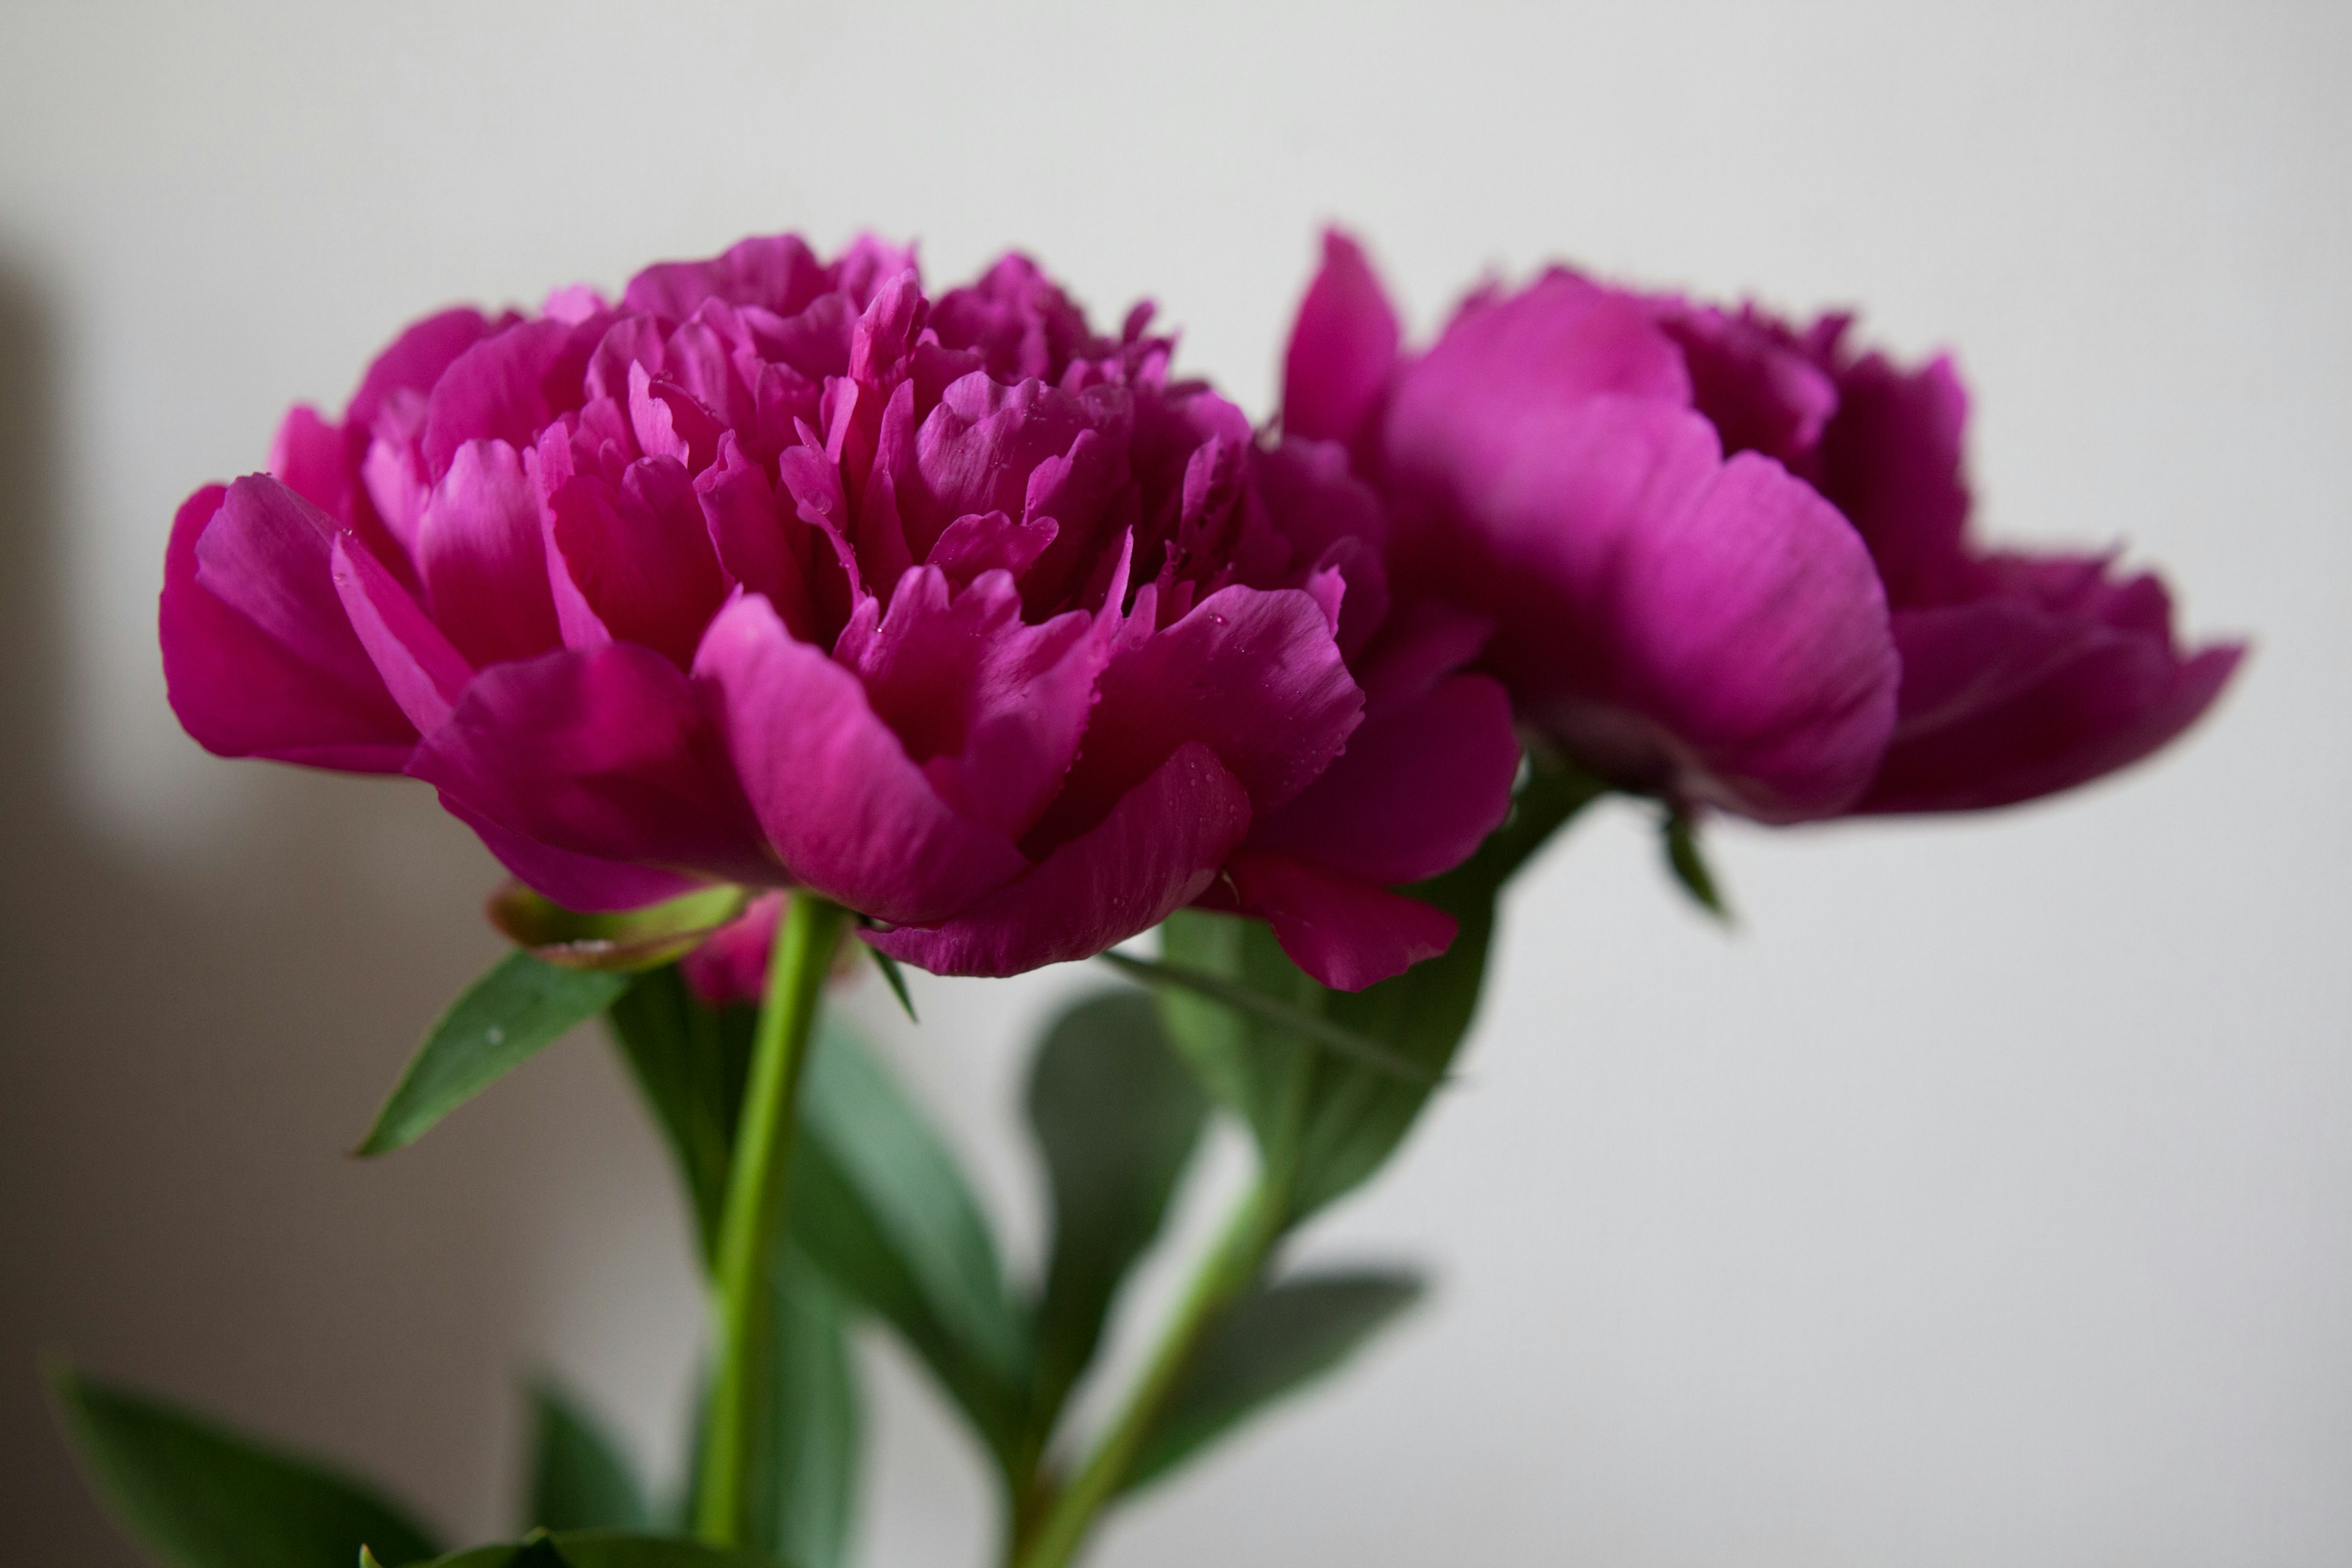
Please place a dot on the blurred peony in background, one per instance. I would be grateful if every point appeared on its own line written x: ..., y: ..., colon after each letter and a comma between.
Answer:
x: 1980, y: 1198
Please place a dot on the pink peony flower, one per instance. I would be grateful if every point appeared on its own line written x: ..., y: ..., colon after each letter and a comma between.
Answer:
x: 780, y: 571
x: 1728, y: 560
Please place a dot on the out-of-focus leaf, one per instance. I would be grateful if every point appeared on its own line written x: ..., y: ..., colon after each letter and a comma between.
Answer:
x: 1117, y: 1117
x: 882, y: 1206
x: 895, y: 979
x: 605, y: 1549
x: 804, y: 1489
x: 579, y: 1478
x: 625, y: 940
x: 1687, y: 861
x: 690, y: 1061
x: 1324, y: 1120
x: 509, y: 1013
x: 1270, y: 1343
x: 199, y: 1496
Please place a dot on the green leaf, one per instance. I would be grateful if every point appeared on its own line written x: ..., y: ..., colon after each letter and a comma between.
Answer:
x: 895, y: 978
x: 1268, y: 1344
x: 1117, y: 1117
x: 690, y: 1061
x: 1326, y: 1120
x: 604, y: 1548
x: 625, y: 940
x: 806, y: 1489
x: 199, y: 1496
x: 1685, y: 860
x: 580, y: 1481
x: 880, y: 1204
x: 509, y: 1013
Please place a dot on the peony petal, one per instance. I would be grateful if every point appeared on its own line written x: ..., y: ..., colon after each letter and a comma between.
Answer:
x: 604, y: 752
x: 993, y: 709
x: 1157, y: 850
x: 424, y: 673
x: 1503, y: 365
x: 507, y: 388
x: 481, y: 556
x: 1345, y: 933
x: 1711, y: 631
x: 416, y: 358
x: 640, y: 555
x: 748, y: 534
x: 1253, y: 674
x: 730, y: 969
x: 580, y: 882
x: 259, y: 660
x: 2004, y: 703
x: 846, y: 809
x: 1421, y: 783
x: 1343, y: 348
x: 1891, y: 462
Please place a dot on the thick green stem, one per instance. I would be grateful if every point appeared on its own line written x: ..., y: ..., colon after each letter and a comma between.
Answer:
x: 1227, y: 1271
x: 753, y: 1226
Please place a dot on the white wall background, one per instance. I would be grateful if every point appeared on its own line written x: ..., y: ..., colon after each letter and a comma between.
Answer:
x: 1986, y: 1197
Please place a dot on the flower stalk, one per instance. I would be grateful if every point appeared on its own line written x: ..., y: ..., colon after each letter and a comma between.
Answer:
x: 1228, y: 1271
x: 752, y: 1224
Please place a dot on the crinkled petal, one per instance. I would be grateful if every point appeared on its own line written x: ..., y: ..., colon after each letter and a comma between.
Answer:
x: 1421, y: 783
x: 1891, y: 462
x: 1346, y: 933
x: 1157, y: 850
x: 846, y: 809
x: 259, y: 660
x: 1343, y: 347
x: 1253, y: 674
x: 603, y: 752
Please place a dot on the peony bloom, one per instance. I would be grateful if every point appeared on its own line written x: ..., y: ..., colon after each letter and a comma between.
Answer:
x: 780, y: 572
x: 1728, y: 560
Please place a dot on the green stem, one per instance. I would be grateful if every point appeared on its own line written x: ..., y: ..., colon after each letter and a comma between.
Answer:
x: 752, y: 1224
x: 1227, y: 1271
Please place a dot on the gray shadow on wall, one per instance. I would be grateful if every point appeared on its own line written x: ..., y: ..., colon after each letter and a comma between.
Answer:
x: 184, y: 1057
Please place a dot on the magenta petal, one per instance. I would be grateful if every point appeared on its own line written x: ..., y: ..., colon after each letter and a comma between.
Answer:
x: 1503, y: 364
x: 416, y: 359
x: 424, y: 673
x: 730, y: 969
x: 604, y: 752
x: 1347, y: 935
x: 1253, y: 674
x: 846, y: 809
x: 1343, y: 347
x: 1710, y: 630
x: 1421, y: 783
x: 748, y: 531
x: 506, y: 388
x: 1157, y: 851
x: 258, y: 657
x: 579, y: 883
x: 2004, y: 701
x: 479, y: 553
x: 1891, y: 462
x: 640, y: 555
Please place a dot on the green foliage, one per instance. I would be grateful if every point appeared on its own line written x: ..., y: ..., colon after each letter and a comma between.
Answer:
x: 625, y: 940
x: 1325, y: 1119
x: 199, y: 1496
x: 1269, y: 1343
x: 579, y: 1478
x: 690, y: 1061
x: 803, y: 1486
x: 509, y: 1013
x: 880, y: 1204
x: 895, y: 978
x: 1688, y: 863
x: 602, y: 1549
x: 1117, y: 1117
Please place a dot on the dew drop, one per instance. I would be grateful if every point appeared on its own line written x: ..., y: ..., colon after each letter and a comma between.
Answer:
x: 495, y: 1035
